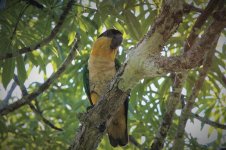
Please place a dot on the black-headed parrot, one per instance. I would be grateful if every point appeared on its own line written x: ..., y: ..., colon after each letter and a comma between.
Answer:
x: 97, y: 73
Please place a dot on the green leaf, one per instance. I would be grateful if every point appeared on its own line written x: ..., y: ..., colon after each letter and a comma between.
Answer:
x: 55, y: 51
x: 22, y: 75
x: 8, y: 71
x: 134, y: 27
x: 33, y: 59
x: 90, y: 23
x: 71, y: 37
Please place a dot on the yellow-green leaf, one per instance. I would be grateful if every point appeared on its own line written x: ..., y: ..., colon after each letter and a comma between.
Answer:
x: 71, y: 37
x: 134, y: 27
x: 55, y: 51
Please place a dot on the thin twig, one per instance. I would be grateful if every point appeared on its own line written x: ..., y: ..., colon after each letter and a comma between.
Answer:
x: 36, y: 109
x: 203, y: 119
x: 26, y: 99
x: 45, y: 40
x: 134, y: 141
x: 209, y: 122
x: 190, y: 7
x: 8, y: 96
x: 17, y: 22
x: 199, y: 23
x: 35, y: 3
x: 47, y: 122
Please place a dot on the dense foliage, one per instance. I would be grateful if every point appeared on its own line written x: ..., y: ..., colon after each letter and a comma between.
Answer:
x: 23, y: 24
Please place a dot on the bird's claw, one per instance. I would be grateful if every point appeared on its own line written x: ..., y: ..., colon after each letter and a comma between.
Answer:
x: 102, y: 127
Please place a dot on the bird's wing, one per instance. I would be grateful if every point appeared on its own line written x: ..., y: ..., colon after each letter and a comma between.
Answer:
x: 86, y: 81
x: 117, y: 64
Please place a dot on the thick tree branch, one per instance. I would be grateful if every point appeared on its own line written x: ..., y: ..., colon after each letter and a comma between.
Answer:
x: 140, y: 60
x: 97, y: 116
x: 26, y: 99
x: 36, y: 109
x: 192, y: 58
x: 209, y: 122
x: 178, y: 141
x: 128, y: 76
x: 149, y: 63
x: 45, y: 40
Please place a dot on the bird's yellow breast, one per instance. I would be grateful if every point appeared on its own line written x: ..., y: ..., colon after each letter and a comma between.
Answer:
x: 102, y: 48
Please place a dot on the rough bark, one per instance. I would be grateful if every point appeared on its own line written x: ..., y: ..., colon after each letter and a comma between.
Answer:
x: 93, y: 120
x: 143, y: 56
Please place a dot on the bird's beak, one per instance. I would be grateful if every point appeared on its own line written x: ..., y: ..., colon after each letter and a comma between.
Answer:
x: 116, y: 41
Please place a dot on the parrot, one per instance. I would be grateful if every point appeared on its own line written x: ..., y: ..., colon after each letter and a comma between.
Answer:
x: 97, y: 73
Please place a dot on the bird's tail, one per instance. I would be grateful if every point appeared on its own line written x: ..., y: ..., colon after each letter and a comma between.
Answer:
x: 117, y: 129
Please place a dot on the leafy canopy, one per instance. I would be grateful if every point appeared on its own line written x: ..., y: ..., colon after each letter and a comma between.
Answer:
x: 23, y: 24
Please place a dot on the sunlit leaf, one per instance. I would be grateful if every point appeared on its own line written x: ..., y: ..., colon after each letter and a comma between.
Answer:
x: 71, y: 37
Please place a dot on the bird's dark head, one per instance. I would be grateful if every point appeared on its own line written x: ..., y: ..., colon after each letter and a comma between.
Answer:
x: 116, y: 36
x: 106, y: 45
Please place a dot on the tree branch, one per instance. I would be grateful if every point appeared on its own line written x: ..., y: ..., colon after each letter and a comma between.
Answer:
x: 168, y: 116
x: 46, y: 121
x: 178, y: 141
x: 128, y: 76
x: 199, y: 23
x: 209, y: 122
x: 140, y: 63
x: 26, y: 99
x: 35, y: 4
x: 8, y: 96
x: 17, y: 22
x: 190, y: 7
x: 134, y: 141
x: 36, y: 109
x: 175, y: 98
x: 45, y: 40
x: 192, y: 58
x: 140, y: 60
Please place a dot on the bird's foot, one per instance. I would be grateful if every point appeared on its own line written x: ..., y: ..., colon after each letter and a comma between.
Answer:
x: 102, y: 127
x: 89, y: 107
